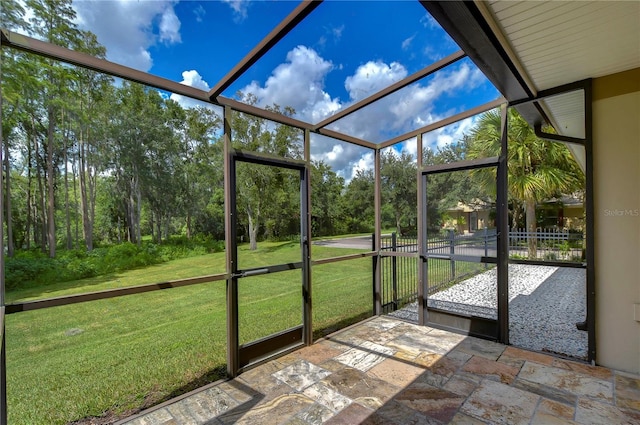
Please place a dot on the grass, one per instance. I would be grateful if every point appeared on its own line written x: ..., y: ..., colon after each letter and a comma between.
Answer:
x: 117, y: 355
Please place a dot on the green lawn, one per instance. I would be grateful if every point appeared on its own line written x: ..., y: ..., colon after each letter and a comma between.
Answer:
x: 114, y: 355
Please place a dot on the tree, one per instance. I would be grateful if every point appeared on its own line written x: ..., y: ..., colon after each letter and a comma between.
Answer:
x: 358, y: 200
x: 53, y: 20
x: 92, y: 96
x: 267, y: 197
x: 399, y: 186
x: 200, y: 175
x: 326, y: 192
x: 10, y: 17
x: 537, y: 169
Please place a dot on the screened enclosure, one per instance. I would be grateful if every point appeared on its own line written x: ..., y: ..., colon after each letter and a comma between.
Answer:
x: 186, y: 232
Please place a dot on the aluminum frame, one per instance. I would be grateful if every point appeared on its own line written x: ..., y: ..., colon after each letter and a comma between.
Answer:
x: 442, y: 319
x: 587, y: 142
x: 242, y: 356
x: 506, y: 78
x: 3, y: 347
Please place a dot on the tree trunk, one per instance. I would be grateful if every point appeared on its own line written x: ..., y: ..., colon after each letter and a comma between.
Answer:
x: 66, y: 193
x: 83, y: 196
x: 51, y: 211
x: 7, y: 167
x: 92, y: 185
x: 515, y: 218
x: 42, y: 238
x: 29, y: 200
x: 74, y: 171
x: 167, y: 220
x: 253, y: 230
x: 139, y: 213
x: 530, y: 206
x: 398, y: 226
x: 132, y: 213
x: 159, y: 228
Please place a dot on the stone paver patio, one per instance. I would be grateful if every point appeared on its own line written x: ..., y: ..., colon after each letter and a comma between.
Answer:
x: 386, y: 371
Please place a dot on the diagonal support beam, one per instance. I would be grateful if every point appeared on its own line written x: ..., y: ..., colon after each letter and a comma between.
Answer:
x: 392, y: 88
x: 277, y: 34
x: 32, y: 45
x: 261, y: 112
x: 347, y: 138
x: 442, y: 123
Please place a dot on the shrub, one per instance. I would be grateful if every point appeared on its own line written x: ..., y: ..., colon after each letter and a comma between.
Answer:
x: 30, y: 268
x: 23, y: 270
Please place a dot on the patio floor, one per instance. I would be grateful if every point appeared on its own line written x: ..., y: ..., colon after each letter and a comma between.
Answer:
x: 386, y: 371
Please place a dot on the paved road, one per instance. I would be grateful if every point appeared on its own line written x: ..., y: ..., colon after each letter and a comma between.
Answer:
x: 364, y: 242
x: 357, y: 242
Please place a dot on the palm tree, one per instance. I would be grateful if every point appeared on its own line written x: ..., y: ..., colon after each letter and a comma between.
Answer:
x: 537, y: 169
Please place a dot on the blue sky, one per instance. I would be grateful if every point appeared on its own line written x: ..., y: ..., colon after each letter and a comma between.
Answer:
x: 343, y: 52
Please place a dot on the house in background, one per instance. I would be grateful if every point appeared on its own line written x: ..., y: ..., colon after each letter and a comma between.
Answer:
x: 564, y: 213
x: 469, y: 218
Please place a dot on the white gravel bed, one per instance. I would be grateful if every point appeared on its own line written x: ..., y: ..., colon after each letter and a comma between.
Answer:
x: 544, y: 305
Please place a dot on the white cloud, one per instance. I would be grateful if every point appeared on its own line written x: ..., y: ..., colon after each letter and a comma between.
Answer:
x: 335, y: 153
x: 407, y: 109
x: 170, y: 27
x: 199, y: 12
x: 344, y: 158
x: 129, y: 28
x: 429, y: 21
x: 453, y: 133
x: 363, y: 164
x: 373, y: 77
x: 193, y: 79
x: 407, y: 42
x: 240, y: 8
x: 299, y: 83
x: 337, y: 32
x: 410, y: 146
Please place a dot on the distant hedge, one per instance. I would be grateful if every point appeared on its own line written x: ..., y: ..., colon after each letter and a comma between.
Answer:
x: 34, y: 268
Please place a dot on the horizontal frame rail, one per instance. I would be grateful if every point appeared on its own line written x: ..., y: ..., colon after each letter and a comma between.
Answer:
x: 462, y: 165
x: 110, y: 293
x: 245, y: 108
x: 567, y: 264
x: 270, y: 160
x: 465, y: 258
x: 268, y: 269
x: 343, y: 258
x: 399, y: 254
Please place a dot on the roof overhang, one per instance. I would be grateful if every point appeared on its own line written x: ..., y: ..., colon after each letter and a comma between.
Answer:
x: 526, y: 48
x: 468, y: 28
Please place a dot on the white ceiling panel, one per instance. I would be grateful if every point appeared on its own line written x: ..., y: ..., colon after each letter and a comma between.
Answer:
x: 560, y: 42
